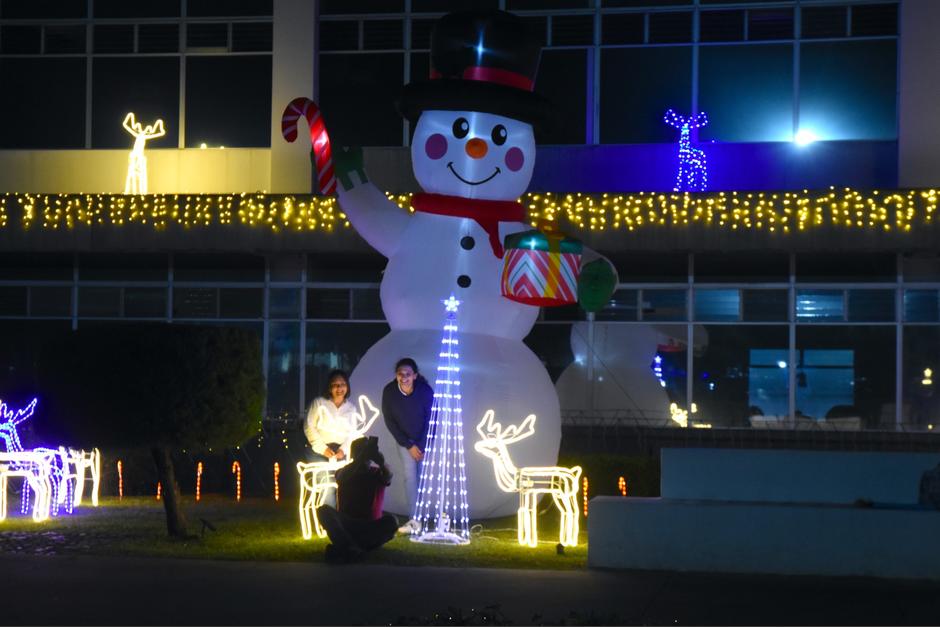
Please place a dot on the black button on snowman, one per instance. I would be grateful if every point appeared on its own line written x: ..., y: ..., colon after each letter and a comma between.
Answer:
x: 472, y: 153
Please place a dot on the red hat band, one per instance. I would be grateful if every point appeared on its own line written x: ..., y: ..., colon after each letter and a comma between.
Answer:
x: 493, y: 75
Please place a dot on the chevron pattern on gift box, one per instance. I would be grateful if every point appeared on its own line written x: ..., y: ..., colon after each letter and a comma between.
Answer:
x: 541, y: 278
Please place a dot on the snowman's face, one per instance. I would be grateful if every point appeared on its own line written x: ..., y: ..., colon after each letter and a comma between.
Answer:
x: 473, y: 154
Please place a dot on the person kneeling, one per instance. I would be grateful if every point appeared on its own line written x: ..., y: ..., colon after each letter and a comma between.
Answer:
x: 359, y: 525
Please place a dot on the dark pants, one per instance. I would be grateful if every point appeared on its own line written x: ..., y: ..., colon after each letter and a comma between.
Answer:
x: 356, y: 533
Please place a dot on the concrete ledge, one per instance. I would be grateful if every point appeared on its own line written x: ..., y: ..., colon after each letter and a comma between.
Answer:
x: 785, y: 539
x: 788, y: 476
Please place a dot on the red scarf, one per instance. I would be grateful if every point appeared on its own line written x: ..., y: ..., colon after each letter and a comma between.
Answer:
x: 487, y: 213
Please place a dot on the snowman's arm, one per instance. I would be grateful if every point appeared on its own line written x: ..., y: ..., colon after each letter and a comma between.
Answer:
x: 376, y: 218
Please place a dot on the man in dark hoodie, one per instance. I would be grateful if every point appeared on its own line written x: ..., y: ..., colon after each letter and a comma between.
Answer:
x: 406, y: 406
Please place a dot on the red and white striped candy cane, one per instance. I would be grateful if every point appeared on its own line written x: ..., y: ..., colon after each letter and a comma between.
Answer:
x: 319, y: 139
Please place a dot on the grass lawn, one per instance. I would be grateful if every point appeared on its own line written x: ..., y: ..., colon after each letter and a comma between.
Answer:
x: 260, y: 529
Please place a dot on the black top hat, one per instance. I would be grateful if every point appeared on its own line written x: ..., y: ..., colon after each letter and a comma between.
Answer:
x: 480, y: 61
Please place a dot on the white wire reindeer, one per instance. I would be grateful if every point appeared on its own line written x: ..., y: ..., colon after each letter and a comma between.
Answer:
x: 136, y: 180
x: 530, y: 481
x: 317, y: 477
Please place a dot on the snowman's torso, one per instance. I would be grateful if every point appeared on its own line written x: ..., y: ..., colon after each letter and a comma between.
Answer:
x: 443, y: 255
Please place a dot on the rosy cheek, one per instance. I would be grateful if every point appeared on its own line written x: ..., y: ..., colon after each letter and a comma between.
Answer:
x: 436, y: 146
x: 515, y: 159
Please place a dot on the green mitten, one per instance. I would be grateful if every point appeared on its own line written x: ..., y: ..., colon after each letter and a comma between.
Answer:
x: 596, y: 284
x: 346, y: 161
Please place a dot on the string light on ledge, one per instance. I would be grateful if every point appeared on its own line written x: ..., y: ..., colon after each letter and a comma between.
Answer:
x: 774, y: 212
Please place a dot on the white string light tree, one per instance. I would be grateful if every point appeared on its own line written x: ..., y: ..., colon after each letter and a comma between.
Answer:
x: 441, y: 507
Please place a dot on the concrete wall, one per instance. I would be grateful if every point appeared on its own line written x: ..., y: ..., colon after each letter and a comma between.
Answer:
x: 918, y: 122
x: 170, y: 171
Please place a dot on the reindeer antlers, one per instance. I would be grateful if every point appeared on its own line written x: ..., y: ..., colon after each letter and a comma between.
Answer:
x: 513, y: 433
x: 373, y: 414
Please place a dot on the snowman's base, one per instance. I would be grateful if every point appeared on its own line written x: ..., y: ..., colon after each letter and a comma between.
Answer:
x: 439, y: 537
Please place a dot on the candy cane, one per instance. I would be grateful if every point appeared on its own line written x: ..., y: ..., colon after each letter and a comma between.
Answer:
x: 237, y: 470
x: 319, y: 139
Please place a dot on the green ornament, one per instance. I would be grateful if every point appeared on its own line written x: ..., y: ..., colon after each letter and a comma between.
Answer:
x: 596, y: 284
x: 346, y: 161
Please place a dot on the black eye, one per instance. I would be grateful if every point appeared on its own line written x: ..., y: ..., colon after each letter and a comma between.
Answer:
x: 461, y: 128
x: 499, y: 134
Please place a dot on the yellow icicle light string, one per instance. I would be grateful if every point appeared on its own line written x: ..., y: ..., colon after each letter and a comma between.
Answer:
x: 120, y: 471
x: 277, y: 486
x: 622, y: 486
x: 772, y: 212
x: 584, y: 486
x: 198, y: 481
x: 237, y: 471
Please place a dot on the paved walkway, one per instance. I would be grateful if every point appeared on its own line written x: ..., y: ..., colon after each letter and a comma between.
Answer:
x: 114, y: 590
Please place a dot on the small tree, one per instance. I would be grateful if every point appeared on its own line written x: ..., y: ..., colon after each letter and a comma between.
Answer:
x: 158, y: 386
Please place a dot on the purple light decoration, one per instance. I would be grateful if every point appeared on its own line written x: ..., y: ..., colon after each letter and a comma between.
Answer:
x: 693, y: 171
x: 58, y: 461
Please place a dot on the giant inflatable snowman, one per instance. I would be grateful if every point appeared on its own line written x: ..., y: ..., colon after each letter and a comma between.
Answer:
x: 473, y: 153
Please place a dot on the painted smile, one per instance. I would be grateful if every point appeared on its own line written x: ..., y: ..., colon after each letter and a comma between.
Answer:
x: 450, y: 166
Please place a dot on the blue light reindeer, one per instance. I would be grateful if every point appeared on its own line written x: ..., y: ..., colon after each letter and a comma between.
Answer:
x: 693, y: 172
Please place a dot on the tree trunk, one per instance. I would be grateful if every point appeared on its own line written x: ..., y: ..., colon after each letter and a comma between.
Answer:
x: 175, y: 521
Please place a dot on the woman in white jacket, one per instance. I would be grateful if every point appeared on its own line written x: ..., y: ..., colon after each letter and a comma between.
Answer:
x: 329, y: 431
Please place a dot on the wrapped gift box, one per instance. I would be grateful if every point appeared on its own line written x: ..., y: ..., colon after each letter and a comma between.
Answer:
x: 541, y: 268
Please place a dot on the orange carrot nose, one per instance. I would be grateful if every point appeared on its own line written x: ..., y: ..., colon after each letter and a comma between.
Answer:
x: 476, y: 148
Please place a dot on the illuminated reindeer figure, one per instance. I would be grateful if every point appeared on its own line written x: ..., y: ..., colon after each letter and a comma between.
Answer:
x: 530, y: 481
x: 317, y: 477
x: 136, y: 181
x: 693, y: 172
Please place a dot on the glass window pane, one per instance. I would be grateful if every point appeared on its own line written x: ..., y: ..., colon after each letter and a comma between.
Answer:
x: 144, y: 302
x: 551, y: 343
x: 383, y: 34
x: 563, y: 314
x: 921, y: 368
x: 871, y: 305
x: 367, y: 305
x: 252, y: 37
x: 64, y: 39
x: 285, y: 267
x: 217, y: 267
x: 848, y: 90
x: 20, y: 39
x: 537, y: 25
x: 283, y: 383
x: 241, y: 303
x: 148, y: 86
x: 50, y: 301
x: 844, y: 266
x: 622, y: 28
x: 13, y: 301
x: 621, y: 306
x: 874, y: 19
x: 421, y: 35
x: 195, y: 302
x: 122, y: 8
x: 738, y: 378
x: 760, y: 267
x: 99, y: 301
x: 819, y: 22
x: 113, y: 38
x: 921, y: 306
x: 747, y: 91
x: 572, y: 30
x: 200, y: 35
x: 332, y: 345
x: 340, y: 7
x: 122, y: 267
x: 819, y: 305
x: 717, y: 305
x: 220, y: 111
x: 27, y: 9
x: 769, y: 24
x: 225, y: 8
x: 562, y: 78
x: 670, y: 28
x: 721, y: 26
x: 25, y: 119
x: 336, y: 267
x: 158, y: 38
x: 632, y: 110
x: 328, y: 303
x: 284, y: 303
x: 357, y: 94
x: 664, y: 305
x: 764, y: 305
x: 845, y: 377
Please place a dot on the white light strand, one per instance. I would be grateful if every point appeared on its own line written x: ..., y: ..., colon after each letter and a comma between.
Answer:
x: 441, y: 507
